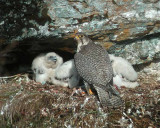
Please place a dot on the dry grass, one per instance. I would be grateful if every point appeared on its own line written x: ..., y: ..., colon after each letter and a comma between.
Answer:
x: 25, y: 103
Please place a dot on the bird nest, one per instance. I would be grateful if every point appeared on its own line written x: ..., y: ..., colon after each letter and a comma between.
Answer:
x: 25, y: 103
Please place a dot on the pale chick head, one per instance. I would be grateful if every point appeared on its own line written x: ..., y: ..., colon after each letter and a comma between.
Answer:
x: 52, y: 60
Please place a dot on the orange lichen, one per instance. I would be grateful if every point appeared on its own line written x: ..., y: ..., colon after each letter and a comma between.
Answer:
x: 72, y: 35
x: 122, y: 35
x: 70, y: 50
x: 107, y: 45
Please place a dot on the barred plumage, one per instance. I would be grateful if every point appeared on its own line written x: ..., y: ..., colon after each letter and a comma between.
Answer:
x: 94, y: 66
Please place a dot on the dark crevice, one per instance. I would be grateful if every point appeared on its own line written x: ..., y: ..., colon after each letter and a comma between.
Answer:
x: 140, y: 67
x: 17, y: 57
x: 122, y: 44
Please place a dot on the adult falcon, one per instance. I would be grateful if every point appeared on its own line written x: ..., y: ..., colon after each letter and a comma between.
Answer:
x: 94, y: 66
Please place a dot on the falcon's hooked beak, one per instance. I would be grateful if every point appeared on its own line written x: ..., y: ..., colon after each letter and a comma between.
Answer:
x: 77, y: 37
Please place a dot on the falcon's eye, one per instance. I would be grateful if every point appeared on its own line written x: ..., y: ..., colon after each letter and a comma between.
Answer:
x: 80, y: 36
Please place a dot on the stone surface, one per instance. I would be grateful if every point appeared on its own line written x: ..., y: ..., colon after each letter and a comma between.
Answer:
x: 140, y: 51
x: 128, y: 28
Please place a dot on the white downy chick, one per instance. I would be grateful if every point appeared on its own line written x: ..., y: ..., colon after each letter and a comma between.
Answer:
x: 67, y: 72
x: 123, y: 67
x: 52, y: 62
x: 39, y: 69
x: 44, y: 67
x: 119, y: 81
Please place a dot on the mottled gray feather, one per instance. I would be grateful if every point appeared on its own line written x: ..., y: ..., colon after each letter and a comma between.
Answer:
x: 93, y: 63
x: 107, y: 98
x: 94, y: 66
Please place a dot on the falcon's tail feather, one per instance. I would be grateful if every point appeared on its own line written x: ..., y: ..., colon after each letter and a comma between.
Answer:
x: 108, y: 98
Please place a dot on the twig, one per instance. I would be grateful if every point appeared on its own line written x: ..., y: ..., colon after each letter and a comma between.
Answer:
x: 7, y: 77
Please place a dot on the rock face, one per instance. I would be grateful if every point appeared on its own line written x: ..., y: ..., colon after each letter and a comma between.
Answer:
x: 128, y: 28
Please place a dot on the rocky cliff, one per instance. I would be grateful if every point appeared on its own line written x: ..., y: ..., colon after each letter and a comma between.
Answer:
x: 129, y: 28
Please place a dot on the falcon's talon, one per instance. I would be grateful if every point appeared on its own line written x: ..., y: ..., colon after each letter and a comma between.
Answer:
x: 78, y: 91
x: 90, y: 92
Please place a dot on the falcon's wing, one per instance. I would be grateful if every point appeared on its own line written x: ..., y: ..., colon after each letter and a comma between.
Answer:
x: 93, y: 64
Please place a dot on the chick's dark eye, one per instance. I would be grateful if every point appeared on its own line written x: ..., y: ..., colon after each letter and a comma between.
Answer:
x: 50, y: 57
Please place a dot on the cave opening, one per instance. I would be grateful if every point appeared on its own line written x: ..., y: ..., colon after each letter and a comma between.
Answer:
x: 17, y: 56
